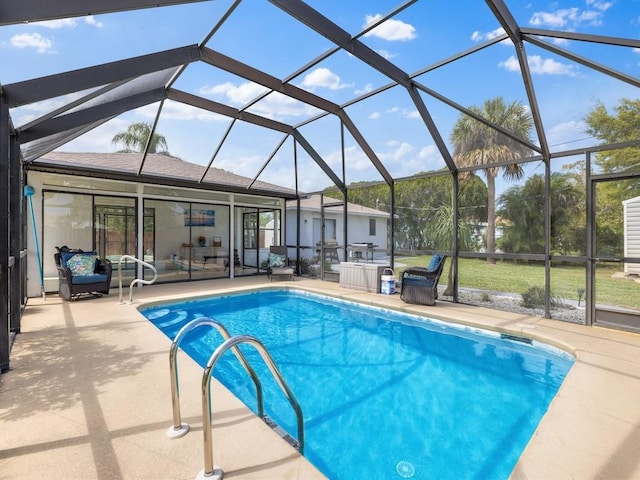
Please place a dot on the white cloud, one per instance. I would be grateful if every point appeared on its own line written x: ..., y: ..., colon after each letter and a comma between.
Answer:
x: 91, y: 20
x: 280, y: 107
x: 564, y: 135
x: 567, y: 18
x: 275, y: 105
x: 404, y: 159
x: 68, y: 23
x: 541, y: 66
x: 367, y: 88
x: 32, y: 40
x: 374, y: 116
x: 386, y: 54
x: 323, y: 77
x: 430, y: 152
x: 237, y: 95
x: 481, y: 37
x: 179, y: 111
x: 56, y: 24
x: 98, y: 139
x: 600, y: 5
x: 404, y: 112
x: 390, y: 30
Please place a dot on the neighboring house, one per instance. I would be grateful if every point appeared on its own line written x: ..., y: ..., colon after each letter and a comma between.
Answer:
x: 631, y: 214
x: 364, y: 225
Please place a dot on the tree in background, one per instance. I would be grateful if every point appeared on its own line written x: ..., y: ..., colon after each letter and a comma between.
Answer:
x: 620, y: 126
x: 417, y: 202
x: 523, y: 207
x: 476, y: 144
x: 444, y: 233
x: 134, y: 139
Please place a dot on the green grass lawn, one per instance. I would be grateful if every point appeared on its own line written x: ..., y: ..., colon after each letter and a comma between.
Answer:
x: 612, y: 288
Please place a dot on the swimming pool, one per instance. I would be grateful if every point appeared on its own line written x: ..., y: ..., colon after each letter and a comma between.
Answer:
x: 384, y: 395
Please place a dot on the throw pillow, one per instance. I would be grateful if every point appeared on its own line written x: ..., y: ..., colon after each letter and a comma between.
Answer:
x: 82, y: 265
x: 435, y: 261
x: 276, y: 260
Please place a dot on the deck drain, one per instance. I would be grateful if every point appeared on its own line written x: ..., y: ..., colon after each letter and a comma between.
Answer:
x: 405, y: 469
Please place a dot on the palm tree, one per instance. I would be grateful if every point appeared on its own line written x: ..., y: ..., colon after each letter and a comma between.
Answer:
x: 476, y: 144
x: 444, y: 232
x: 134, y: 139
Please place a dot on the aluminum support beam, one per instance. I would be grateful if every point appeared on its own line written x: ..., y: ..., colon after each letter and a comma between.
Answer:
x: 355, y: 133
x: 584, y: 61
x: 5, y: 188
x: 475, y: 116
x: 24, y: 11
x: 269, y: 158
x: 325, y: 27
x: 247, y: 72
x: 582, y: 37
x: 43, y: 88
x: 218, y: 148
x: 90, y: 115
x: 433, y: 129
x: 227, y: 111
x: 17, y: 222
x: 503, y: 15
x: 318, y: 159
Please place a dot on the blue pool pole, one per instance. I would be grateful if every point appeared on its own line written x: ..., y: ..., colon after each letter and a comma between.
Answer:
x: 28, y: 192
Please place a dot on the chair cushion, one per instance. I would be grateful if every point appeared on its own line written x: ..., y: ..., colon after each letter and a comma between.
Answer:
x: 276, y: 260
x: 81, y: 264
x: 89, y: 279
x: 435, y: 261
x: 418, y: 281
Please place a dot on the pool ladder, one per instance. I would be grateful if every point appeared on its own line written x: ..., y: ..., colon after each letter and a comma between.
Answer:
x: 179, y: 429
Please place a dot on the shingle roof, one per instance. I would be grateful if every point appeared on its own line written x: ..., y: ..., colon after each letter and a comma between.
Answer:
x: 156, y: 165
x: 313, y: 202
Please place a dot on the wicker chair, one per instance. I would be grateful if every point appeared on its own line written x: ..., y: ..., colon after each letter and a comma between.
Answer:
x: 420, y: 285
x: 279, y: 263
x: 81, y: 273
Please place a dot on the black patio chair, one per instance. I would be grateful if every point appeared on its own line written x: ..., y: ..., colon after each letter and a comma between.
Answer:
x: 81, y: 273
x: 419, y: 284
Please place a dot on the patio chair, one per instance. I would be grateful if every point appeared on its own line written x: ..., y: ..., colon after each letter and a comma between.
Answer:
x: 419, y: 284
x: 278, y: 263
x: 81, y: 273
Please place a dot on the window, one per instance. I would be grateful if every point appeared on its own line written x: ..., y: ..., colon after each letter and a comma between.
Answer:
x: 372, y: 227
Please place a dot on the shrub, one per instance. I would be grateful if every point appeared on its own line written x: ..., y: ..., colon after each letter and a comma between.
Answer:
x: 534, y: 298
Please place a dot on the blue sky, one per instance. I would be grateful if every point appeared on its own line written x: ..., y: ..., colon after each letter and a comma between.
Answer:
x: 261, y: 35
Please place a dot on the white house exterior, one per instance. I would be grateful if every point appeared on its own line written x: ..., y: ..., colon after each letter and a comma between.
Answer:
x: 186, y: 232
x: 364, y: 225
x: 632, y: 234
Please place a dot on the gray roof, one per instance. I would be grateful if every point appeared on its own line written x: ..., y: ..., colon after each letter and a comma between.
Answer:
x: 155, y: 166
x: 313, y: 203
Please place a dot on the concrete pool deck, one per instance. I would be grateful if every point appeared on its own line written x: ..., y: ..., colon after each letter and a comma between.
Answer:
x: 88, y: 395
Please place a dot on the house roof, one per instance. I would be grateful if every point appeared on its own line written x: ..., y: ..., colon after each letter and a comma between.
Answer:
x: 313, y: 203
x: 156, y: 166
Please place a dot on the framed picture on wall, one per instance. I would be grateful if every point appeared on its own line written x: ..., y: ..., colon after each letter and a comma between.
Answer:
x: 199, y: 218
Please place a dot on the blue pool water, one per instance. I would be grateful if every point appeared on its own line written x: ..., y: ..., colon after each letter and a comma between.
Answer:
x: 384, y: 395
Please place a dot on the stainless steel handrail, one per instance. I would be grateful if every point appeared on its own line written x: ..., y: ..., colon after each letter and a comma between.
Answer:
x: 211, y: 471
x: 137, y: 280
x: 178, y: 429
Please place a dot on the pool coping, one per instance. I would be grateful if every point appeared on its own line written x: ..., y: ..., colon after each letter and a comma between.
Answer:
x: 80, y: 429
